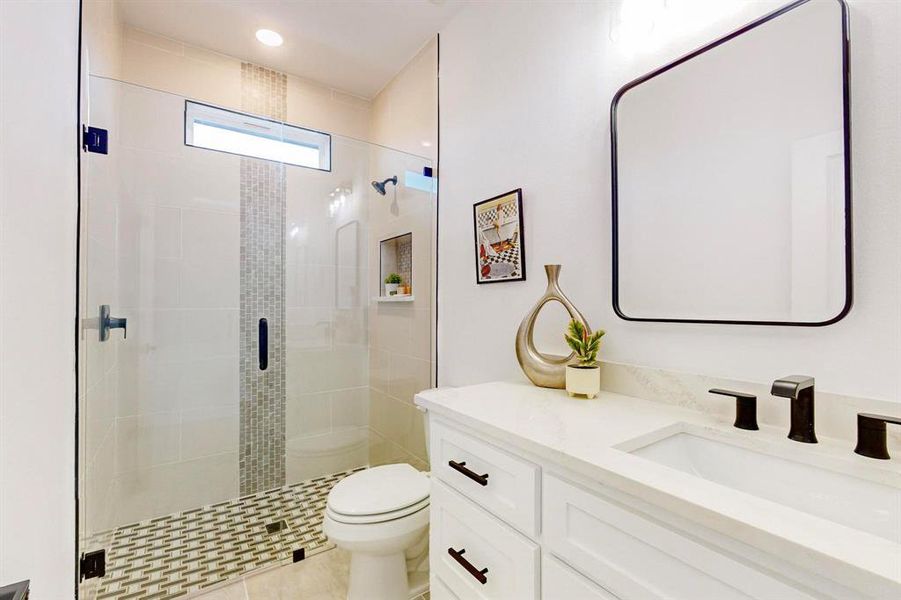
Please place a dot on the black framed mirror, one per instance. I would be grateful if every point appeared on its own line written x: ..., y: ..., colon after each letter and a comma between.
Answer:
x: 731, y: 178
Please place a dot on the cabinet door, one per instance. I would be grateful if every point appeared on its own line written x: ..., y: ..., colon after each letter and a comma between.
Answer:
x: 560, y: 582
x: 475, y: 554
x: 636, y: 557
x: 438, y: 590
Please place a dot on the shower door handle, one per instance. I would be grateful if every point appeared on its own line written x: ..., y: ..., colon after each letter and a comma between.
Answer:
x: 107, y: 322
x: 263, y: 336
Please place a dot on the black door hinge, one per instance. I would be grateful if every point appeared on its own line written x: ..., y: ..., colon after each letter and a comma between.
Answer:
x: 93, y: 564
x: 95, y: 139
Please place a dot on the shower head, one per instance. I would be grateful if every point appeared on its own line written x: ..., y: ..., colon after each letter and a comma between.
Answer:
x: 380, y: 185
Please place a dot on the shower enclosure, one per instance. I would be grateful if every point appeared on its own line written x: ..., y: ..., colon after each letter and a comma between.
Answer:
x: 234, y: 389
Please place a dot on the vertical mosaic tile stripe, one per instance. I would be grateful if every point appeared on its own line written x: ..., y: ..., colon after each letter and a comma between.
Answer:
x: 405, y: 258
x: 263, y: 201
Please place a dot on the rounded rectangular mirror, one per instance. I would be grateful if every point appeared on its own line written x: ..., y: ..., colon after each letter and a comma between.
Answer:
x: 731, y: 178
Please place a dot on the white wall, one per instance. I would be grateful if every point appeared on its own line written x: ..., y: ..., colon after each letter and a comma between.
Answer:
x: 525, y: 96
x: 327, y: 368
x: 38, y: 99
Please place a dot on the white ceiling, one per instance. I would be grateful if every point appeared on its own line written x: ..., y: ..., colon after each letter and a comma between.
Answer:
x: 352, y: 45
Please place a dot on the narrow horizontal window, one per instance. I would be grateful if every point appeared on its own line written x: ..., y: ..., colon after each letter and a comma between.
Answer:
x: 238, y: 133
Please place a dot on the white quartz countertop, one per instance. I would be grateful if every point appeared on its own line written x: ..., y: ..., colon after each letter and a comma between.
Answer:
x: 582, y: 435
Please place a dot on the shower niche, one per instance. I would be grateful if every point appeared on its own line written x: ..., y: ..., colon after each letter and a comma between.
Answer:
x: 396, y: 269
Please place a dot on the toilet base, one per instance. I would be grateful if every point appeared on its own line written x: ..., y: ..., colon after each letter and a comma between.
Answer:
x: 378, y: 577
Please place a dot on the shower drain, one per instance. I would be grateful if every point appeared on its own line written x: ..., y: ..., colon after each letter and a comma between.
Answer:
x: 276, y: 526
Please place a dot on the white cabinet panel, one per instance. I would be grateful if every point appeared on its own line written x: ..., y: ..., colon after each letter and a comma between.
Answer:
x: 510, y: 487
x: 483, y: 542
x: 560, y: 582
x: 638, y: 558
x: 438, y: 590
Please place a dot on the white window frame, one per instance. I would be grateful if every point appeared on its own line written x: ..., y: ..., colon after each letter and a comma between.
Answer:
x: 250, y: 125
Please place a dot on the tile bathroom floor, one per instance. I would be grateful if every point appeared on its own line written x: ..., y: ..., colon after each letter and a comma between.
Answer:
x: 320, y: 577
x: 188, y: 552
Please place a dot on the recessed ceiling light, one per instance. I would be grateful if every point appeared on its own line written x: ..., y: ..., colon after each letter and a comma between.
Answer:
x: 269, y: 37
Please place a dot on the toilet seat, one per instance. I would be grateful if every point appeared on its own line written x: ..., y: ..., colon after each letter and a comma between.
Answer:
x: 378, y: 495
x: 379, y: 518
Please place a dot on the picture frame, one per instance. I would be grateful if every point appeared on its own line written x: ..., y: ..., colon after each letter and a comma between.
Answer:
x: 499, y: 238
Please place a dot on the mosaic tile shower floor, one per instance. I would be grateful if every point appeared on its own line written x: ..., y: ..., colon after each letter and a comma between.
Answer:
x: 174, y: 555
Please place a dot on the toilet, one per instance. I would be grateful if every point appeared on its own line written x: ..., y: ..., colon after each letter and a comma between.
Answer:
x: 381, y: 516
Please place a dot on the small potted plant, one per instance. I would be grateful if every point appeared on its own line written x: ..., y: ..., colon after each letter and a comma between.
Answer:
x: 584, y: 376
x: 391, y: 283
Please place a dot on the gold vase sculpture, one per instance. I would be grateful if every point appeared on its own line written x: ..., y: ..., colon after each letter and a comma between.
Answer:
x: 545, y: 370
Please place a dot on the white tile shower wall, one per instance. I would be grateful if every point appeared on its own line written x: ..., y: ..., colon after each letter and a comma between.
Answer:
x: 401, y: 360
x: 38, y: 192
x: 327, y: 412
x: 162, y: 229
x: 400, y: 351
x: 568, y: 49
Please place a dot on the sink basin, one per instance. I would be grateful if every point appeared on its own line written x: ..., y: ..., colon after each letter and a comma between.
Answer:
x: 858, y: 503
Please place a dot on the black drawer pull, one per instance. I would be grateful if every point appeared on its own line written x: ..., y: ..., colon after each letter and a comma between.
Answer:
x: 458, y: 556
x: 461, y: 467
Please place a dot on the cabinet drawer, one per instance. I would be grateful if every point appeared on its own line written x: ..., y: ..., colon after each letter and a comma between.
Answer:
x: 502, y: 483
x: 465, y: 540
x: 633, y: 556
x: 560, y: 582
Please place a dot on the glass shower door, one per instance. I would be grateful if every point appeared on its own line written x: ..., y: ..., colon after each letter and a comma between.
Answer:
x: 205, y: 450
x: 160, y: 248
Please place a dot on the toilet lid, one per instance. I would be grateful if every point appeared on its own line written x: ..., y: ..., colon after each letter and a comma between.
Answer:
x: 379, y: 490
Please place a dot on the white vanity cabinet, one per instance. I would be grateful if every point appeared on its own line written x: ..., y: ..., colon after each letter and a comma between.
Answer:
x: 505, y: 524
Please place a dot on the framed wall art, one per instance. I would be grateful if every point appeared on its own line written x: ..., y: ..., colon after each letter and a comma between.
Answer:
x: 500, y: 245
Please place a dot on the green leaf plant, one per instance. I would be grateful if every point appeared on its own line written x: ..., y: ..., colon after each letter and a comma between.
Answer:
x: 583, y: 343
x: 393, y: 278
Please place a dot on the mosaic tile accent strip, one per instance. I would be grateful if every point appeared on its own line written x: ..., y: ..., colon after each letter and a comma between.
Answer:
x: 264, y: 92
x: 263, y: 197
x: 171, y: 556
x: 405, y: 258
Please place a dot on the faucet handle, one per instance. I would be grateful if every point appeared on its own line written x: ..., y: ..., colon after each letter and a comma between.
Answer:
x: 871, y: 435
x: 745, y: 408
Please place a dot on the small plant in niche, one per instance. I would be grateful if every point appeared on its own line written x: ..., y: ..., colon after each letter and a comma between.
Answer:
x: 583, y: 377
x: 391, y: 283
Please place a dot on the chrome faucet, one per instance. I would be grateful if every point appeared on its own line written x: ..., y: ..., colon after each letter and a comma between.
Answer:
x: 800, y: 389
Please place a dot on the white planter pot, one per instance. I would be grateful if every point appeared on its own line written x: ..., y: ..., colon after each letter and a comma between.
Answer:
x: 584, y: 381
x: 391, y: 289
